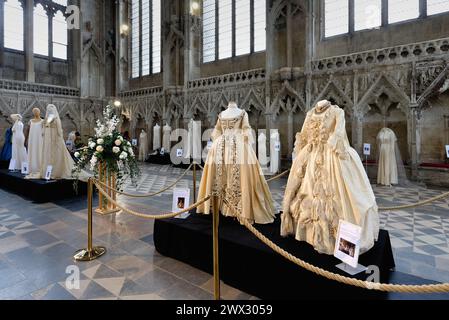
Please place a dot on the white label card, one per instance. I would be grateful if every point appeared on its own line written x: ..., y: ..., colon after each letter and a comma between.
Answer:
x: 134, y: 142
x: 179, y: 153
x: 25, y: 169
x: 12, y: 165
x: 162, y: 151
x: 181, y: 201
x: 209, y: 145
x: 447, y: 151
x: 347, y: 245
x: 48, y: 173
x: 367, y: 149
x: 277, y: 147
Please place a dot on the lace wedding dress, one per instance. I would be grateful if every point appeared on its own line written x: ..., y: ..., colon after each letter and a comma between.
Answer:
x: 232, y: 171
x: 387, y: 173
x: 327, y: 183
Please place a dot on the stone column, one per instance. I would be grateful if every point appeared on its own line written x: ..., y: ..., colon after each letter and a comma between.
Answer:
x: 357, y: 132
x: 414, y: 138
x: 50, y: 14
x: 149, y: 123
x: 28, y: 25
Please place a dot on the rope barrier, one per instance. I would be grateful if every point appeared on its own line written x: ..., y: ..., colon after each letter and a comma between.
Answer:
x: 147, y: 216
x: 148, y: 195
x: 431, y: 288
x: 418, y: 204
x: 279, y: 176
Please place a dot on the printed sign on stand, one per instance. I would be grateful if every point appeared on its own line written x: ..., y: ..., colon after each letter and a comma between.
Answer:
x: 347, y: 247
x: 134, y: 142
x: 367, y: 149
x: 277, y: 147
x: 209, y: 144
x: 12, y: 165
x: 162, y: 151
x: 48, y: 173
x: 179, y: 153
x: 181, y: 201
x: 25, y: 169
x: 447, y: 151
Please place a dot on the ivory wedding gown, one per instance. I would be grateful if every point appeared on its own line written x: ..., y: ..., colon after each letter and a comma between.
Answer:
x: 388, y: 169
x: 327, y: 183
x: 54, y: 151
x: 35, y: 143
x: 19, y: 152
x: 232, y: 171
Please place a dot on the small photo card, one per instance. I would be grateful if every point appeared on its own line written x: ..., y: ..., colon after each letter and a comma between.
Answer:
x: 179, y: 153
x: 134, y: 142
x: 181, y: 201
x: 48, y: 173
x: 347, y: 246
x: 367, y: 149
x: 12, y: 165
x: 162, y: 152
x: 25, y: 169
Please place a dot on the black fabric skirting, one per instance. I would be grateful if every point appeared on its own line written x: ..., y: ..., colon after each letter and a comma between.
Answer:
x: 250, y: 266
x: 40, y: 190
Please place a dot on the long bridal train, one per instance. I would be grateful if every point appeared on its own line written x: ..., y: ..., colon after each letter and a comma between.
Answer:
x: 327, y: 183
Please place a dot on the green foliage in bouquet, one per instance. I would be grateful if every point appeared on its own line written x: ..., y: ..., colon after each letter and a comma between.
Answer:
x: 108, y: 147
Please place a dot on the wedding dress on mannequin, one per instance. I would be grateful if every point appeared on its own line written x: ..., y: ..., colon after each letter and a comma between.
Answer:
x: 275, y: 143
x: 143, y: 146
x: 166, y: 143
x: 327, y: 183
x: 35, y: 143
x: 156, y: 137
x: 233, y: 172
x: 19, y: 153
x: 262, y: 152
x: 387, y: 173
x: 54, y: 151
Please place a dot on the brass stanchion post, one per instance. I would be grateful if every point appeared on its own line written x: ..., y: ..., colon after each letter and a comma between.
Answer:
x: 194, y: 182
x: 216, y: 216
x: 91, y: 253
x: 102, y: 179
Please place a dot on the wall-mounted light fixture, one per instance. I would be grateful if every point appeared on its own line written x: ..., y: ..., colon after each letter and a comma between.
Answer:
x: 195, y: 7
x: 124, y: 30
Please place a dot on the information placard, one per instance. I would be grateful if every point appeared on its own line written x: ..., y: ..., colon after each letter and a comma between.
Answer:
x: 347, y: 244
x: 134, y: 142
x: 447, y: 151
x: 367, y: 149
x: 25, y: 169
x: 179, y: 153
x: 181, y: 201
x: 48, y: 173
x: 277, y: 147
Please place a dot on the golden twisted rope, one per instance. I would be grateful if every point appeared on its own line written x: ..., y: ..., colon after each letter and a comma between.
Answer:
x: 147, y: 216
x: 279, y: 176
x: 418, y: 204
x: 148, y: 195
x: 431, y: 288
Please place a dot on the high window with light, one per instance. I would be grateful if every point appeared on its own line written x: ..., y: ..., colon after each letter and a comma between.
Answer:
x: 145, y: 37
x: 233, y: 28
x: 347, y: 16
x: 13, y: 28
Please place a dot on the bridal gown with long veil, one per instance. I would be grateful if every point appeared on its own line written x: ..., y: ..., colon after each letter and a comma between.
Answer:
x: 54, y: 151
x: 232, y: 171
x: 327, y: 183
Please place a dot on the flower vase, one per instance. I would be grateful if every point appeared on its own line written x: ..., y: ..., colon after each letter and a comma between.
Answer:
x: 109, y: 179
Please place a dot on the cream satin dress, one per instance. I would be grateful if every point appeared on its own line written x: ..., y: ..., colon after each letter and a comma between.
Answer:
x: 232, y: 171
x: 387, y: 173
x: 327, y: 183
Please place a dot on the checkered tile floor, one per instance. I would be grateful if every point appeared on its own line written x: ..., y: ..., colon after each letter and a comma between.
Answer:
x: 37, y: 242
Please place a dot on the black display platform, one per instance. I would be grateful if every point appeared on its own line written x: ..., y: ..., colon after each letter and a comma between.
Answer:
x: 247, y: 264
x: 159, y: 159
x: 40, y: 190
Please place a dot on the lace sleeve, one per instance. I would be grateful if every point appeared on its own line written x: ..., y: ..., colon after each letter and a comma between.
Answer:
x: 338, y: 140
x: 301, y: 138
x: 246, y: 129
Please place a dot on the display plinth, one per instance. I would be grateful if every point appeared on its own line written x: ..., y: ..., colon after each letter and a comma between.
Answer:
x: 40, y: 190
x: 159, y: 159
x: 248, y: 265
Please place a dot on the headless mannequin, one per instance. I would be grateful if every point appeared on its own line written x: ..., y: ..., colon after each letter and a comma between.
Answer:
x: 232, y: 111
x: 322, y: 106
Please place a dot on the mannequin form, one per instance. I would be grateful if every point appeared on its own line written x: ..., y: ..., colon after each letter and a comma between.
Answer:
x: 156, y: 137
x: 54, y: 151
x: 166, y: 143
x: 232, y: 111
x: 388, y: 170
x: 35, y: 143
x: 196, y: 141
x: 143, y: 146
x: 19, y: 153
x: 262, y: 154
x: 188, y: 146
x: 274, y: 152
